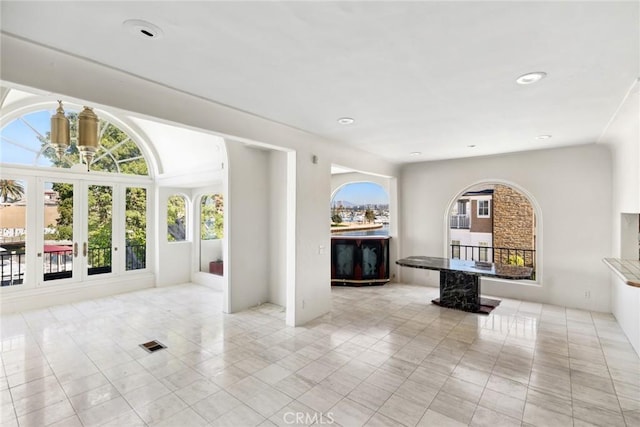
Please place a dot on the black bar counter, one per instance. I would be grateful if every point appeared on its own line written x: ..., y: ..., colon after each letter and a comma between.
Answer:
x: 359, y: 260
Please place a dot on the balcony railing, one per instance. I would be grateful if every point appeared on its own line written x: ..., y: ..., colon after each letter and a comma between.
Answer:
x: 459, y: 221
x: 136, y: 257
x: 498, y: 255
x: 12, y: 268
x: 59, y: 264
x: 99, y: 261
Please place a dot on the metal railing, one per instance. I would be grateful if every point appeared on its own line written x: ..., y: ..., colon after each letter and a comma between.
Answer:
x: 498, y: 255
x: 12, y: 268
x: 59, y: 264
x: 99, y: 260
x: 136, y: 257
x: 459, y: 221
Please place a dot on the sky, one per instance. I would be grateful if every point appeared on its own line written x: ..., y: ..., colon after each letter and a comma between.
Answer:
x: 363, y: 193
x: 17, y: 131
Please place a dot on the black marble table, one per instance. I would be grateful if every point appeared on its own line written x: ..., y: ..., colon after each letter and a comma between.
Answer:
x: 460, y: 280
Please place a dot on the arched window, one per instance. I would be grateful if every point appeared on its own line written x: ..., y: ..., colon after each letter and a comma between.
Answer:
x: 211, y: 231
x: 26, y: 141
x: 177, y: 218
x: 493, y: 222
x: 87, y: 227
x: 360, y: 206
x: 211, y: 217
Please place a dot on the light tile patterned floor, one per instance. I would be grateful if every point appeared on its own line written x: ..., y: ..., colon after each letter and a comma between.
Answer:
x: 384, y: 356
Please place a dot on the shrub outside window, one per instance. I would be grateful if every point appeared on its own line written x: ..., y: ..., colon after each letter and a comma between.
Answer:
x: 177, y: 218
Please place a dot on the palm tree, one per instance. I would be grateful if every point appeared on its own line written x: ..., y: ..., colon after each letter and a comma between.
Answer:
x: 10, y: 188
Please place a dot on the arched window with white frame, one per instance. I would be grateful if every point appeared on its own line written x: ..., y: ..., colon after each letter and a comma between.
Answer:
x: 494, y: 222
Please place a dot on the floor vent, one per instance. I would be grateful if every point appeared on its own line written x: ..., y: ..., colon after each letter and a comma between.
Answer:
x: 152, y: 346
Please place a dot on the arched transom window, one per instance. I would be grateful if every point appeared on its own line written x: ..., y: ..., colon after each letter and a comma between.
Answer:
x: 26, y: 141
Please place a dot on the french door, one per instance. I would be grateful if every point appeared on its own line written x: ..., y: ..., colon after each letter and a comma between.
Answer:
x: 58, y: 230
x: 77, y: 239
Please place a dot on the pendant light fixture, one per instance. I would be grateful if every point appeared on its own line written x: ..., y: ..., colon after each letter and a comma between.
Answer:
x: 87, y: 134
x: 60, y: 138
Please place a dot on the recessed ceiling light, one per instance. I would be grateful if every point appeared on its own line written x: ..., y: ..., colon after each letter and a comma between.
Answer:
x: 543, y: 136
x: 529, y: 78
x: 471, y: 145
x: 415, y: 153
x: 143, y: 29
x: 345, y: 120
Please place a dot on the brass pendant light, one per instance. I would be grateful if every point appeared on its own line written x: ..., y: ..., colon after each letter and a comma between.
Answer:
x: 87, y: 134
x: 60, y: 138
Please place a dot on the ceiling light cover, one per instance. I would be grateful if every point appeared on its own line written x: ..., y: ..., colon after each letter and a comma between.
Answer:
x: 143, y: 29
x: 543, y: 136
x: 415, y: 153
x: 345, y: 120
x: 529, y: 78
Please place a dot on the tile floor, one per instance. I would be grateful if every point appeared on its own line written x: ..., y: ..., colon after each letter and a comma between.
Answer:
x: 384, y: 356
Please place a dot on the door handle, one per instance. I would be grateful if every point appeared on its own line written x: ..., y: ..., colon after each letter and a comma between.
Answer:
x: 75, y: 249
x: 84, y: 249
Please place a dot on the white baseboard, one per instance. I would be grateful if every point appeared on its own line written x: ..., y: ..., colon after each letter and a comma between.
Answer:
x: 37, y: 298
x: 212, y: 281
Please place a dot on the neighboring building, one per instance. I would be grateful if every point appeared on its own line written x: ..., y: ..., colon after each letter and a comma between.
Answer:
x: 514, y: 225
x: 471, y: 226
x: 493, y: 224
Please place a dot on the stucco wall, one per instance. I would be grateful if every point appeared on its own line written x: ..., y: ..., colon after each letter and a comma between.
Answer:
x: 570, y: 269
x: 623, y: 137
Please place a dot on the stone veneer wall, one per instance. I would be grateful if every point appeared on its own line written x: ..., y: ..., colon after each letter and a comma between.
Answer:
x: 513, y: 221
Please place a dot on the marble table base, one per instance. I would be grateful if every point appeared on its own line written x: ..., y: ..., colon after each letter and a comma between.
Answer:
x: 462, y: 291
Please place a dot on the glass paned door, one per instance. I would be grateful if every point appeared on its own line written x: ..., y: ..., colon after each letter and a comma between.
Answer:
x: 59, y: 249
x: 99, y: 244
x: 13, y: 227
x: 77, y: 237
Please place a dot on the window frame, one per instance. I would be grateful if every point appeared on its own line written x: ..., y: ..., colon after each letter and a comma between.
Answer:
x: 488, y: 208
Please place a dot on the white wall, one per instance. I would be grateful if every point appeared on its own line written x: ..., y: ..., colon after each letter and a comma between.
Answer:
x: 210, y: 250
x: 623, y: 137
x: 248, y: 233
x: 173, y: 264
x: 36, y: 66
x: 278, y: 219
x: 313, y: 238
x: 572, y: 189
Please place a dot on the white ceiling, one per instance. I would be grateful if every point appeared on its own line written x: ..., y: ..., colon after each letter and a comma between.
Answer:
x: 432, y: 77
